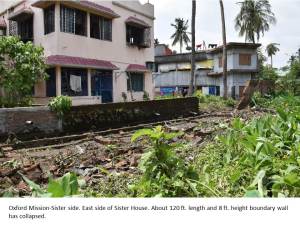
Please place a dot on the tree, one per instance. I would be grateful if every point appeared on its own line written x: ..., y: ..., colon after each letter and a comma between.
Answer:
x: 21, y: 67
x: 181, y: 34
x: 192, y: 79
x: 156, y: 41
x: 224, y: 51
x: 271, y: 50
x: 254, y: 19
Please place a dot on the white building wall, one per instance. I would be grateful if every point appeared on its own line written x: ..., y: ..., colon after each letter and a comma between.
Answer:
x: 115, y: 51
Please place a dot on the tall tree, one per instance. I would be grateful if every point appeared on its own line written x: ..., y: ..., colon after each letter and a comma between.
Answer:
x: 271, y: 50
x: 224, y: 60
x: 181, y: 32
x: 254, y: 19
x: 192, y: 79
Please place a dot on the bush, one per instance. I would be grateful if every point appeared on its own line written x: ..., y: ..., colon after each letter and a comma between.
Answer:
x: 61, y: 105
x: 164, y: 173
x: 146, y: 96
x: 21, y: 67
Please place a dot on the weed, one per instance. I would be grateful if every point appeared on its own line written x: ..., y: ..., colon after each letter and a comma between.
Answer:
x: 61, y: 105
x: 164, y: 173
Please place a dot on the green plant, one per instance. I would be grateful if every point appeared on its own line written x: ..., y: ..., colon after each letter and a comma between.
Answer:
x: 268, y: 148
x: 61, y: 105
x: 164, y: 173
x: 68, y: 185
x: 21, y: 67
x: 146, y: 96
x: 124, y: 96
x: 230, y: 102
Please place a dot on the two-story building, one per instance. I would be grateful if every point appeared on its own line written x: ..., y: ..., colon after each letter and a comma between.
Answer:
x: 97, y: 51
x: 174, y: 71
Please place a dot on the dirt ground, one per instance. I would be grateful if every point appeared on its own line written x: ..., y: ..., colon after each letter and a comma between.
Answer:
x: 95, y: 157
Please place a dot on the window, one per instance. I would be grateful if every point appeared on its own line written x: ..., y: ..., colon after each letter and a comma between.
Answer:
x: 245, y: 59
x: 74, y: 82
x: 73, y: 21
x: 25, y: 29
x: 138, y: 36
x: 13, y: 28
x: 152, y: 66
x: 3, y: 32
x: 101, y: 28
x: 220, y: 61
x: 51, y: 83
x: 49, y: 23
x: 137, y: 81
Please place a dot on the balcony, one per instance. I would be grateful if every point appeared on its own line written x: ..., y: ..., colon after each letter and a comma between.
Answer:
x: 138, y: 33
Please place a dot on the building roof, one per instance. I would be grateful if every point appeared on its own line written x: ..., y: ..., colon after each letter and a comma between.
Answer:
x: 2, y: 23
x: 137, y: 22
x: 232, y: 45
x: 136, y: 68
x: 88, y: 5
x: 21, y: 14
x: 178, y: 58
x: 63, y: 60
x: 233, y: 71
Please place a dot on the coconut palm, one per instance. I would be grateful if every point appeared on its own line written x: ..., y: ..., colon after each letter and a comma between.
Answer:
x: 192, y: 79
x: 271, y: 50
x: 254, y: 19
x: 181, y: 34
x: 224, y: 50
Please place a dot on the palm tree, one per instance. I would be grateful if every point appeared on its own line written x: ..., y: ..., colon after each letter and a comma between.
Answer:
x: 224, y: 51
x: 181, y: 33
x: 271, y: 50
x: 254, y: 19
x: 192, y: 80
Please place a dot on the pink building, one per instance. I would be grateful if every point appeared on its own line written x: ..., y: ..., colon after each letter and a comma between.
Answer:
x: 97, y: 51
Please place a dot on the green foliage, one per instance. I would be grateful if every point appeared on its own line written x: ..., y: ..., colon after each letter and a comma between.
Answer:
x: 290, y: 83
x: 164, y: 173
x: 254, y: 19
x: 61, y: 105
x: 146, y: 96
x: 213, y: 102
x: 181, y: 34
x: 258, y: 100
x: 21, y: 66
x: 268, y: 73
x: 68, y: 185
x: 269, y: 149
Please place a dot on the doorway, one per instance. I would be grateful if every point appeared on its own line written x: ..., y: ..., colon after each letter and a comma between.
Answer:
x: 102, y: 85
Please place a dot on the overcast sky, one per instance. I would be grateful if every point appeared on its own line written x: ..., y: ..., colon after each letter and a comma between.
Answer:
x: 208, y: 23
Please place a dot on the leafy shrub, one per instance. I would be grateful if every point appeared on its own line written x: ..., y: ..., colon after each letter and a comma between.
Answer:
x: 269, y: 149
x: 146, y: 96
x: 61, y: 105
x: 213, y: 102
x: 164, y: 173
x: 68, y: 185
x: 21, y: 66
x: 230, y: 102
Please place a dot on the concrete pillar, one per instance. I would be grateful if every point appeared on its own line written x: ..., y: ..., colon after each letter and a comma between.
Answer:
x: 89, y: 74
x: 88, y: 28
x: 58, y: 81
x: 57, y: 17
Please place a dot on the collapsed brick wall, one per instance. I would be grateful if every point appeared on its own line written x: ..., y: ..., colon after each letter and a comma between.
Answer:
x: 263, y: 86
x: 91, y: 117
